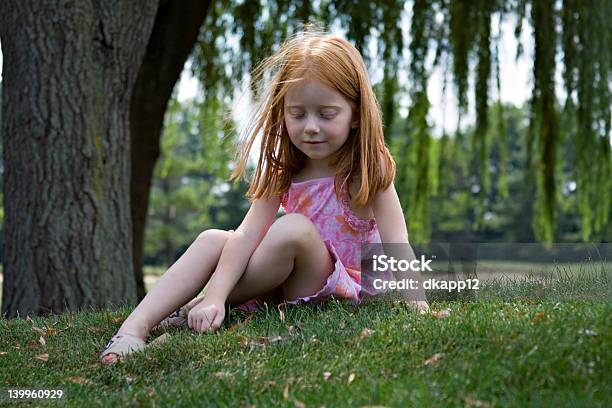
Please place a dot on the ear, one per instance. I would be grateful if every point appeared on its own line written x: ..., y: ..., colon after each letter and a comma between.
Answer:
x: 355, y: 124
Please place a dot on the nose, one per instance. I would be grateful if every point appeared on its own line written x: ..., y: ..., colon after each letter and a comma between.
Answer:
x: 312, y: 127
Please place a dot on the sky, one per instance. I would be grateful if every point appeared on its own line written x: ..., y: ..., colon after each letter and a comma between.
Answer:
x: 515, y: 81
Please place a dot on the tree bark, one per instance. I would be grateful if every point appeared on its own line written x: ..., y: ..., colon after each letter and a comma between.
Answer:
x: 175, y: 32
x: 69, y: 71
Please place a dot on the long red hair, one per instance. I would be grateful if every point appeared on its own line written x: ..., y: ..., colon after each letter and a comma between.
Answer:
x: 336, y: 63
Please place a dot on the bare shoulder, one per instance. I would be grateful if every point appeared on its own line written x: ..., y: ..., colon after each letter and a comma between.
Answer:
x: 368, y: 210
x: 384, y: 197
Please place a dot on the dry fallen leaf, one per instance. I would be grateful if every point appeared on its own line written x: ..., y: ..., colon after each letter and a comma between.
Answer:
x: 42, y: 357
x: 298, y: 403
x: 365, y: 333
x: 2, y: 353
x: 286, y: 392
x: 117, y: 319
x: 351, y: 377
x: 221, y: 374
x: 239, y: 324
x: 50, y: 331
x: 78, y: 380
x: 433, y: 359
x: 442, y: 314
x: 472, y: 402
x: 326, y: 375
x: 537, y: 317
x: 42, y: 341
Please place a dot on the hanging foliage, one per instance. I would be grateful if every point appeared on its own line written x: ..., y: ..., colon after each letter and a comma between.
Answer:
x: 480, y: 146
x: 417, y: 212
x: 391, y: 42
x: 462, y: 37
x: 501, y: 123
x: 543, y: 20
x: 586, y: 43
x: 457, y: 33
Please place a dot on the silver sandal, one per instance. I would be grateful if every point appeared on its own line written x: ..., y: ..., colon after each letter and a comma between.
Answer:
x: 123, y: 345
x: 176, y: 319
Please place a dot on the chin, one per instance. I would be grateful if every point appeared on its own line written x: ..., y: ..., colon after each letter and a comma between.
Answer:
x: 317, y: 156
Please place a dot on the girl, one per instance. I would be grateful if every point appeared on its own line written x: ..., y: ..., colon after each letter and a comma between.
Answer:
x: 322, y: 158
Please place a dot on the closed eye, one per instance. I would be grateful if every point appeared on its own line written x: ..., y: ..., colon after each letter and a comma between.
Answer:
x: 328, y: 113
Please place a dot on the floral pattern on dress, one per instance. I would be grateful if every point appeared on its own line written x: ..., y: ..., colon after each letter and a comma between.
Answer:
x: 342, y: 231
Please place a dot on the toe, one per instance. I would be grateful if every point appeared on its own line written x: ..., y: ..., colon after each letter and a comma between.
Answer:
x: 110, y: 358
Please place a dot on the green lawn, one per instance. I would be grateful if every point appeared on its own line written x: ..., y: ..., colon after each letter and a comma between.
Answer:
x: 523, y: 348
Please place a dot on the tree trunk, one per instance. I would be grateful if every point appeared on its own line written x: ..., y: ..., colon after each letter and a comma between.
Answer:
x: 69, y: 71
x: 168, y: 220
x: 174, y: 34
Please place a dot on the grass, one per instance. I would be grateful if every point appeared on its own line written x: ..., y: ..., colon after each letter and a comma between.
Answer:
x: 514, y: 344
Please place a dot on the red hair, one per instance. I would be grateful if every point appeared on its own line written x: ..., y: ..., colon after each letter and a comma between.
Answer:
x: 336, y: 63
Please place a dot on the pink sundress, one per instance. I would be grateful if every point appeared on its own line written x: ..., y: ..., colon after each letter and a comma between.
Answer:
x: 342, y: 231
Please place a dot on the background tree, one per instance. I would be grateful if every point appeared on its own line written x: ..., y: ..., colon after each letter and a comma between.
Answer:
x: 176, y: 27
x: 189, y: 177
x: 68, y: 74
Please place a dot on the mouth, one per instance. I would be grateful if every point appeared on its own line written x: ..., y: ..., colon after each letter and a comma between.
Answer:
x: 314, y: 142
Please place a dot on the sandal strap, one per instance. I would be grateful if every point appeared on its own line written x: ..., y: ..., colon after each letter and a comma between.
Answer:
x: 176, y: 319
x: 122, y: 345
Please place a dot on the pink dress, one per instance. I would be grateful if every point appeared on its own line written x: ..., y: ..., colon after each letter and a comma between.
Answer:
x: 342, y: 231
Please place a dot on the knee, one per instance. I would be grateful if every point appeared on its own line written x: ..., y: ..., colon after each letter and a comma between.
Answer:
x: 213, y: 237
x: 294, y: 230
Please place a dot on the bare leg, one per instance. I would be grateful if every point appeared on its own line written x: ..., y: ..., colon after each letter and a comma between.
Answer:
x: 179, y: 284
x: 291, y: 259
x: 292, y: 255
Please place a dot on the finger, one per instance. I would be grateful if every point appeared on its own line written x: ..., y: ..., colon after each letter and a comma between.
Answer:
x: 201, y: 321
x: 218, y: 321
x: 206, y: 320
x: 210, y: 316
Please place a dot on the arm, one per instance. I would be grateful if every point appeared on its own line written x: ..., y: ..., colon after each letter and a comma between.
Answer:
x: 239, y: 247
x: 392, y: 228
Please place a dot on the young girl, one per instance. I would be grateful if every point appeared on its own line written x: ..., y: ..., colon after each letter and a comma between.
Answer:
x: 322, y: 158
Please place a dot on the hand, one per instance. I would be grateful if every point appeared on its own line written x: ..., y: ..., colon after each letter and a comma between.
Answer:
x: 420, y: 305
x: 206, y: 316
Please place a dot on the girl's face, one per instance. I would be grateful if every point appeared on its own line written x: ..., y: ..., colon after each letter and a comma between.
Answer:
x: 318, y: 119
